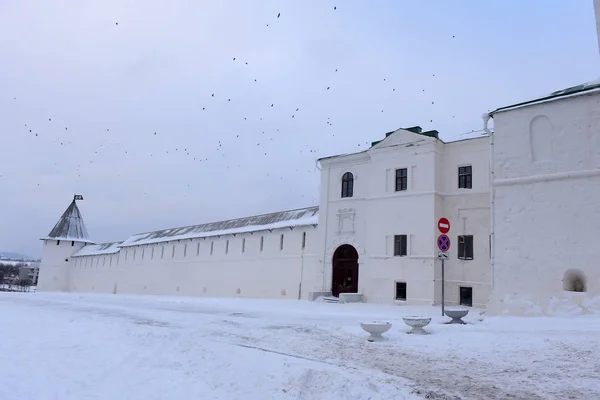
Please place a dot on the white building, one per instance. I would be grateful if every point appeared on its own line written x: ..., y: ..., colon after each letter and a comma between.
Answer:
x: 378, y: 219
x: 375, y: 240
x: 546, y: 208
x: 30, y: 272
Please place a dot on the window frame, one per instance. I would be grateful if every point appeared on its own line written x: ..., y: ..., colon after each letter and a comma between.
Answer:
x: 401, y: 179
x: 347, y: 185
x: 400, y: 245
x: 464, y: 246
x: 404, y: 287
x: 460, y: 296
x: 465, y: 178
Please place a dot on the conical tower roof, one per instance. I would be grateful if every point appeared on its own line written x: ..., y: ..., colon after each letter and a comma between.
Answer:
x: 70, y: 226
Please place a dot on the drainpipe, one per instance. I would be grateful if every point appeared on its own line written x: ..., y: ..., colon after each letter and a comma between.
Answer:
x: 326, y: 224
x: 301, y: 275
x: 486, y: 119
x: 597, y: 9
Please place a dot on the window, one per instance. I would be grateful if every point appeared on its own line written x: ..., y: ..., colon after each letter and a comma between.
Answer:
x: 347, y: 185
x: 303, y: 239
x: 281, y: 242
x: 72, y: 243
x: 400, y: 245
x: 227, y: 246
x: 243, y: 245
x: 57, y: 242
x: 465, y: 247
x: 198, y: 249
x: 126, y: 254
x: 212, y: 247
x: 110, y: 261
x: 143, y: 252
x: 401, y: 179
x: 465, y: 177
x: 134, y: 250
x: 262, y: 243
x: 185, y: 250
x: 400, y: 290
x: 173, y: 252
x: 466, y: 296
x: 162, y: 252
x: 152, y: 253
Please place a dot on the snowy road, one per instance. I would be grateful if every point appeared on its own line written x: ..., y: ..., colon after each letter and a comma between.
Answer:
x: 71, y: 346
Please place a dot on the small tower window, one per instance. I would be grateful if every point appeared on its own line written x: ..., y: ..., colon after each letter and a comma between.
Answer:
x: 198, y: 249
x: 73, y: 243
x: 281, y: 242
x: 212, y: 247
x: 57, y: 242
x: 185, y: 250
x: 303, y: 239
x: 243, y: 245
x: 227, y: 246
x: 262, y: 243
x: 347, y: 185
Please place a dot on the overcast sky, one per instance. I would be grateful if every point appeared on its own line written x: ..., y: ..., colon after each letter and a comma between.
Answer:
x: 85, y: 85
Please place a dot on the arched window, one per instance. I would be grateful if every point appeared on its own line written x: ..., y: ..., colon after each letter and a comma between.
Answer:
x: 347, y: 185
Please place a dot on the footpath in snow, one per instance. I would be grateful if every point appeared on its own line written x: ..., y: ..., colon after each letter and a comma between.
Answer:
x: 85, y: 346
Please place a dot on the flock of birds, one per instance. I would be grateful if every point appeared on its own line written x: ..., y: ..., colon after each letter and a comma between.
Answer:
x: 264, y: 142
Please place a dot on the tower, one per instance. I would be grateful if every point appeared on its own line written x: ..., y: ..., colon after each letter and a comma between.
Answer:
x: 67, y: 237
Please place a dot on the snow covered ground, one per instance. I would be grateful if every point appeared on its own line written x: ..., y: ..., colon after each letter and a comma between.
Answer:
x: 74, y: 346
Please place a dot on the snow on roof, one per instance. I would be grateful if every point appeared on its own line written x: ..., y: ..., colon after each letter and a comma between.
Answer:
x: 469, y: 135
x: 98, y: 249
x: 277, y: 220
x: 584, y: 88
x: 70, y: 226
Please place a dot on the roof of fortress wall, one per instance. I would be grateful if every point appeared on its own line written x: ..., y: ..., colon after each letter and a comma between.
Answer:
x: 278, y: 220
x: 98, y: 249
x: 70, y: 226
x: 577, y: 90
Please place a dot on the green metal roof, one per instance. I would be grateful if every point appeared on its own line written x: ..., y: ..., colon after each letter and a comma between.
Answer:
x: 414, y: 129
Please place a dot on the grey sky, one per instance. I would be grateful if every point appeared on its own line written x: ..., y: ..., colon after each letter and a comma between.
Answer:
x: 399, y: 63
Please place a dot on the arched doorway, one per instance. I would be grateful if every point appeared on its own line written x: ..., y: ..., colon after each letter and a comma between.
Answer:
x: 345, y: 270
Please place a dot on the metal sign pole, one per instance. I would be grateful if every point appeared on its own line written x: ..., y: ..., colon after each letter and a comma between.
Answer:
x: 443, y: 287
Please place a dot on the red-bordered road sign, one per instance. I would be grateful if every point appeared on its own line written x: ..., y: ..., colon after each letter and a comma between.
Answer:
x: 444, y: 225
x: 443, y: 243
